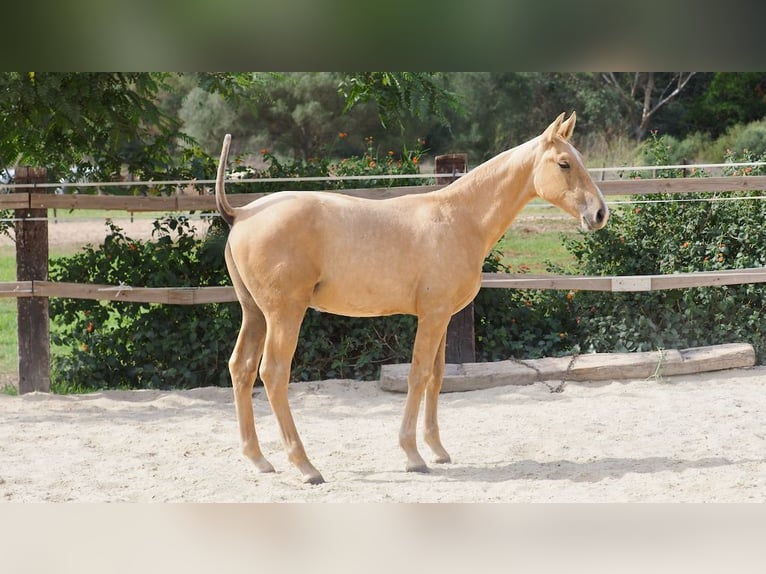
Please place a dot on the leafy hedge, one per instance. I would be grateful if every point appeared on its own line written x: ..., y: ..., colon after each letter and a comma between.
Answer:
x: 651, y: 235
x: 670, y: 234
x: 132, y: 345
x: 102, y: 345
x: 129, y: 345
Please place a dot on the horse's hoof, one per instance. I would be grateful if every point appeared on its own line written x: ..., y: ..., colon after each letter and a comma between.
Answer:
x: 442, y: 459
x: 313, y: 479
x: 422, y: 468
x: 263, y: 465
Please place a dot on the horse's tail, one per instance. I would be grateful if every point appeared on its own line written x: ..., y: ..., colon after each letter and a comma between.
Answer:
x: 224, y: 207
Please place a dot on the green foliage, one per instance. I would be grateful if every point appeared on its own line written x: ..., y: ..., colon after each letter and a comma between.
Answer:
x: 8, y: 316
x: 740, y: 139
x: 373, y: 162
x: 730, y: 98
x: 150, y: 346
x: 94, y: 122
x: 658, y: 234
x: 526, y: 323
x: 703, y: 232
x: 131, y: 345
x: 398, y: 94
x: 331, y: 346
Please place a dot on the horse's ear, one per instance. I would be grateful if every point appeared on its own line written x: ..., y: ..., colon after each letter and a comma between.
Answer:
x: 553, y: 130
x: 567, y: 128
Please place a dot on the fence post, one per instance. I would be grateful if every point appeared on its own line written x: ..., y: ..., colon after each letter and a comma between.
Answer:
x: 32, y: 265
x: 461, y: 340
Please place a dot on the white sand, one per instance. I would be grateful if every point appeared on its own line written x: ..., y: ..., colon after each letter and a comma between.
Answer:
x: 691, y: 438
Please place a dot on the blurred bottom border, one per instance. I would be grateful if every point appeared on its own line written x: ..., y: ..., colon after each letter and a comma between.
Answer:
x: 191, y: 538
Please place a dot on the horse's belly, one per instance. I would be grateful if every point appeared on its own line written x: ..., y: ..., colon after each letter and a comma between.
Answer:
x: 362, y: 299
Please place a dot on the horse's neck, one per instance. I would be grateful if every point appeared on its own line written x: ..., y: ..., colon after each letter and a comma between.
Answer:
x: 492, y: 195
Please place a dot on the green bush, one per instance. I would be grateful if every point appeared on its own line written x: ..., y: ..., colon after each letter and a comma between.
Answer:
x: 130, y: 345
x: 115, y: 344
x: 669, y: 234
x: 698, y: 147
x: 693, y: 148
x: 522, y: 323
x: 658, y: 234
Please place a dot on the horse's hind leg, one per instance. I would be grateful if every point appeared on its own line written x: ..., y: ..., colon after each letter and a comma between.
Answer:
x: 281, y: 340
x: 243, y: 366
x: 431, y: 423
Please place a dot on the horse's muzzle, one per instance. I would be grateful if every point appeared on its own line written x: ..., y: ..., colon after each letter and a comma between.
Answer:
x: 595, y: 220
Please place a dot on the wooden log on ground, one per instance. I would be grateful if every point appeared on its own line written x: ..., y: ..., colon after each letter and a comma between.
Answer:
x: 581, y: 368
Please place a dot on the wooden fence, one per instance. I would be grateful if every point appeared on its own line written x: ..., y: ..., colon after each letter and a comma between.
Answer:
x: 33, y: 290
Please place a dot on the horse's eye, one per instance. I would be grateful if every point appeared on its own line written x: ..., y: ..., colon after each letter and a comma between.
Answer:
x: 564, y: 164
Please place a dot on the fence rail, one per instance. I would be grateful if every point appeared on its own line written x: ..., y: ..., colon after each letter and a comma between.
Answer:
x: 191, y: 202
x: 31, y: 202
x: 205, y: 295
x: 176, y: 202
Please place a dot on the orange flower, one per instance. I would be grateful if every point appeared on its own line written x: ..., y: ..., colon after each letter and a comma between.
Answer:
x: 342, y: 135
x: 390, y: 152
x: 415, y: 159
x: 264, y: 151
x: 84, y: 348
x: 685, y: 244
x: 90, y: 327
x: 371, y: 164
x: 570, y: 295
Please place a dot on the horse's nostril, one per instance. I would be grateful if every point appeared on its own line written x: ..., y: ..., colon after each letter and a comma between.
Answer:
x: 600, y: 216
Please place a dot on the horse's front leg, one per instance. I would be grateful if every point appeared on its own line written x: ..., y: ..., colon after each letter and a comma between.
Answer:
x: 431, y: 423
x: 428, y: 340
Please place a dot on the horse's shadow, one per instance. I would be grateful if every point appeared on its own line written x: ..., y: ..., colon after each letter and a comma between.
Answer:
x: 588, y: 471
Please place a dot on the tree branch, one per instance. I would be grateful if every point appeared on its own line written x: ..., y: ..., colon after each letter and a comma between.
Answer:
x: 682, y: 80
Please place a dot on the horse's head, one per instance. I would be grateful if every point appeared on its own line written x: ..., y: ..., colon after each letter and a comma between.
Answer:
x: 561, y: 178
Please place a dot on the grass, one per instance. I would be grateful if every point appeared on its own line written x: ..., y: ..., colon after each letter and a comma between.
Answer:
x: 536, y: 239
x: 8, y: 329
x: 533, y: 250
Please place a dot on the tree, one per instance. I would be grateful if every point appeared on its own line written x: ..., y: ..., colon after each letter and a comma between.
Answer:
x: 399, y: 95
x: 300, y: 114
x: 729, y: 98
x: 644, y: 93
x: 86, y: 122
x: 507, y: 108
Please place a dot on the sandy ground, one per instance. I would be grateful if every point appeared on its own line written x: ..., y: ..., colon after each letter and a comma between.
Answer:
x: 692, y: 438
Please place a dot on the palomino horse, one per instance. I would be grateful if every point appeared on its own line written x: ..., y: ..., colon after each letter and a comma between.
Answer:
x: 416, y: 254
